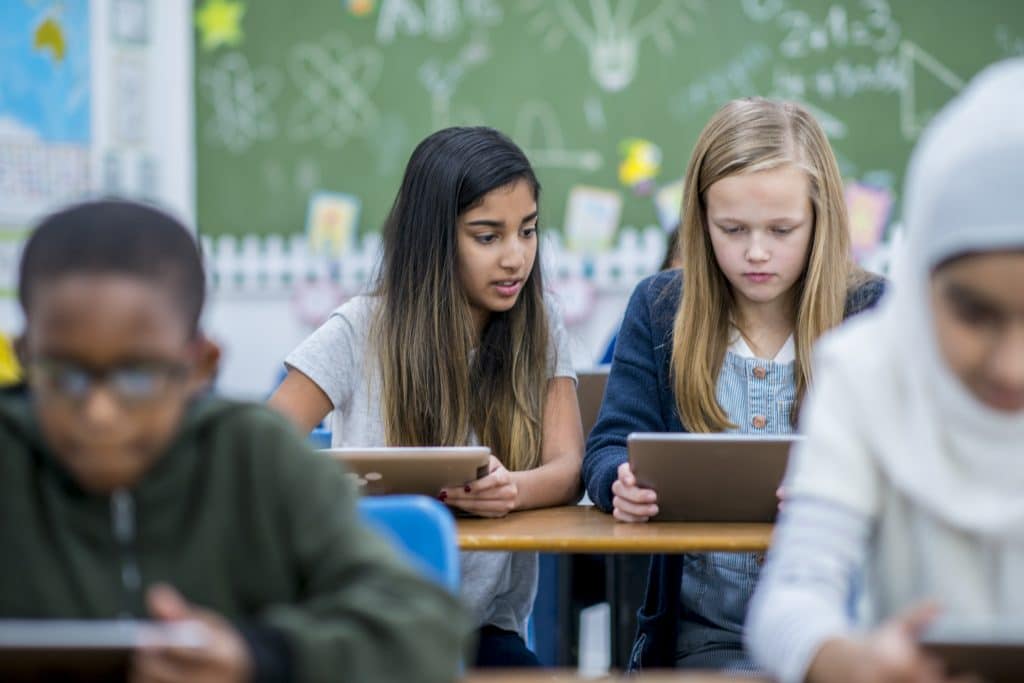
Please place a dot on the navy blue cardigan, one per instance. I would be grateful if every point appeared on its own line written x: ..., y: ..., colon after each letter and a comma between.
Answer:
x: 639, y: 398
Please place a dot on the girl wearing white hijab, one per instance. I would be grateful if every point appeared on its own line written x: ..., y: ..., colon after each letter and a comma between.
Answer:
x: 912, y: 471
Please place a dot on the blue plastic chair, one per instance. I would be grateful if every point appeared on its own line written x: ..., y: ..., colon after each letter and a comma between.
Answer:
x: 320, y: 438
x: 421, y: 529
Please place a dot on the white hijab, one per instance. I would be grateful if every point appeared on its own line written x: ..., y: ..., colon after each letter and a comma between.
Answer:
x: 950, y: 454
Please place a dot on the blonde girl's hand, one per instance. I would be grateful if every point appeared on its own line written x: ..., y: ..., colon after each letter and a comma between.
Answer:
x: 493, y: 495
x: 632, y: 503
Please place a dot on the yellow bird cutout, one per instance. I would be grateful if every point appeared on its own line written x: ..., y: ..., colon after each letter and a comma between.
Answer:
x: 220, y: 23
x: 641, y: 162
x: 50, y: 36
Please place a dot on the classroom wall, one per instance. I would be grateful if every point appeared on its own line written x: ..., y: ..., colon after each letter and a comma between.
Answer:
x: 147, y: 88
x: 144, y: 136
x: 140, y: 124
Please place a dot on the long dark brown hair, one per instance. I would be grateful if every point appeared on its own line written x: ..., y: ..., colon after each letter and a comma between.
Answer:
x: 441, y: 381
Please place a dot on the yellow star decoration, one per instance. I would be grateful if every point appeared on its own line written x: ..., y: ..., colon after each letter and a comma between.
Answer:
x: 220, y: 22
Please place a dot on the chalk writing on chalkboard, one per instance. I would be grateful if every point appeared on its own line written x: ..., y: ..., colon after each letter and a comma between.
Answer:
x: 537, y: 128
x: 334, y: 81
x: 439, y: 20
x: 1011, y: 45
x: 335, y: 97
x: 915, y: 62
x: 441, y: 79
x: 242, y: 100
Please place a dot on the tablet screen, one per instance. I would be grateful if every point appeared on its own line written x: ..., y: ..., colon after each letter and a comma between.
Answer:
x: 87, y: 650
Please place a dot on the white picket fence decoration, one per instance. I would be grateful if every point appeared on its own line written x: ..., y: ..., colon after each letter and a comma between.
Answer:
x: 276, y: 263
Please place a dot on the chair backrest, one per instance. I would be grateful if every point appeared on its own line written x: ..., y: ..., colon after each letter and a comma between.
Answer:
x: 422, y: 529
x: 590, y: 392
x: 320, y: 438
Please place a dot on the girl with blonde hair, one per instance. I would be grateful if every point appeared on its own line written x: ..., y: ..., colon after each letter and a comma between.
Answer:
x: 724, y: 346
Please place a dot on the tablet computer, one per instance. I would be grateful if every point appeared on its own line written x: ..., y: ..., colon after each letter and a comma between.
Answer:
x: 711, y: 477
x: 381, y: 471
x: 88, y: 650
x: 992, y: 650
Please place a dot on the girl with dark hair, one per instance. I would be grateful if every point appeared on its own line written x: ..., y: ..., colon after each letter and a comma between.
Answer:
x: 458, y: 346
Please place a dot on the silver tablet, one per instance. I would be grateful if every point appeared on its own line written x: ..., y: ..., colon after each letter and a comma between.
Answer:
x: 711, y: 477
x: 88, y: 650
x: 380, y: 471
x: 992, y: 650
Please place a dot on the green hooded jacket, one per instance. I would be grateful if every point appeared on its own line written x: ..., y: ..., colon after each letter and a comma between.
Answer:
x: 242, y: 518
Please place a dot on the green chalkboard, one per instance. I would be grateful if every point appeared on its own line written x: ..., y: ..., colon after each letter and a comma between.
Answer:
x: 333, y: 95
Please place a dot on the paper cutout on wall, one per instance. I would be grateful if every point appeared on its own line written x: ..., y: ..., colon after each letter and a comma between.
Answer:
x: 129, y: 85
x: 314, y: 300
x: 129, y: 21
x: 640, y: 165
x: 668, y: 201
x: 869, y: 209
x: 220, y: 23
x: 331, y: 223
x: 576, y: 297
x: 45, y: 116
x: 360, y: 8
x: 591, y: 218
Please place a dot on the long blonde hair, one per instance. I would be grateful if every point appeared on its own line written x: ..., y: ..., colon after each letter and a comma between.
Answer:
x: 747, y: 136
x: 436, y: 390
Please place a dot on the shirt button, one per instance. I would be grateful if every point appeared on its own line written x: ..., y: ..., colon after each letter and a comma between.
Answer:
x: 759, y: 422
x: 760, y: 372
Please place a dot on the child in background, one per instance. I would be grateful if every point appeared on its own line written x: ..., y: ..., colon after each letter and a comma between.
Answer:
x: 457, y: 346
x: 912, y: 464
x: 126, y: 491
x: 724, y: 346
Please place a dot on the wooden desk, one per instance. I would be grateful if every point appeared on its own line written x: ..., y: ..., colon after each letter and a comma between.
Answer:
x: 562, y: 676
x: 585, y: 529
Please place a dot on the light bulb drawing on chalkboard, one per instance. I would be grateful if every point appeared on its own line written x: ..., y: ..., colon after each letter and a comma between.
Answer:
x: 538, y: 131
x: 242, y: 100
x: 334, y: 81
x: 613, y: 35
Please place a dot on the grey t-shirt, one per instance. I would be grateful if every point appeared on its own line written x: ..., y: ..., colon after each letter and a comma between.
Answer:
x: 498, y: 586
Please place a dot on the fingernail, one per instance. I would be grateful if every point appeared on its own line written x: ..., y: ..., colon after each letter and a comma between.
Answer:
x: 467, y: 489
x: 443, y: 496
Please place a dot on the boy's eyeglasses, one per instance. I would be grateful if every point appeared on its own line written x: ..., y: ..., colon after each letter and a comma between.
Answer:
x: 130, y: 384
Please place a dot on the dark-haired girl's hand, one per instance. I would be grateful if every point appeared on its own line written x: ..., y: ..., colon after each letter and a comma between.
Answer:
x: 493, y: 495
